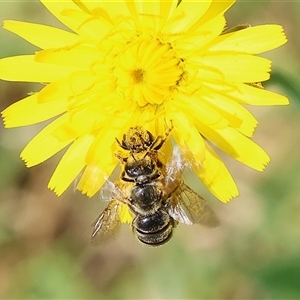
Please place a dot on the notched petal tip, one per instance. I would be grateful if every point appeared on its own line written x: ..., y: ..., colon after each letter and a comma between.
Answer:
x: 4, y: 22
x: 25, y: 160
x: 4, y: 118
x: 55, y: 191
x: 226, y: 196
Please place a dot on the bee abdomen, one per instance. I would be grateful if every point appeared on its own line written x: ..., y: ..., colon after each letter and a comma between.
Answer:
x: 155, y: 229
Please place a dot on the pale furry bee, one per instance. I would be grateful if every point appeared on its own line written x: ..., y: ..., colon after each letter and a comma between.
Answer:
x: 153, y: 194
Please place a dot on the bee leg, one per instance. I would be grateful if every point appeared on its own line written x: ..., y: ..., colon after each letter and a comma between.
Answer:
x: 123, y: 144
x: 159, y: 141
x: 125, y: 178
x: 119, y: 156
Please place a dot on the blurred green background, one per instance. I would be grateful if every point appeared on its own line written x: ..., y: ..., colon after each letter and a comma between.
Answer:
x: 45, y: 250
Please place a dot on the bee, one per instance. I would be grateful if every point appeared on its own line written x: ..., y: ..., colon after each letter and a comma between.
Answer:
x: 154, y: 193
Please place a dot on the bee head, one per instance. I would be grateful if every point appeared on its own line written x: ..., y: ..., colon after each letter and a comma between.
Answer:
x: 136, y: 140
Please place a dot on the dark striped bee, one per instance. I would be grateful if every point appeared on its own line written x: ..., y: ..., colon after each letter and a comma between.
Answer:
x: 151, y: 194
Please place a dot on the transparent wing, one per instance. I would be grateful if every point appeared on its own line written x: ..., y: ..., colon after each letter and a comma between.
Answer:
x: 188, y: 207
x: 111, y: 190
x: 108, y: 223
x: 174, y: 167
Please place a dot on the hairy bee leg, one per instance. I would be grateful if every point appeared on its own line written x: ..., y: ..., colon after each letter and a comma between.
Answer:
x: 159, y: 141
x: 119, y: 156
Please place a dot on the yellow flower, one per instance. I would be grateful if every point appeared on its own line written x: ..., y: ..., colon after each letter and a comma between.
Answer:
x: 130, y: 63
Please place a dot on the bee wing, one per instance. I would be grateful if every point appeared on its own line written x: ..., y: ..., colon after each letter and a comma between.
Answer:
x: 108, y: 222
x: 174, y: 168
x: 111, y: 190
x: 188, y: 207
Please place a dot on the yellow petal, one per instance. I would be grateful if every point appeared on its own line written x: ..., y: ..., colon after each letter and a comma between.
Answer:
x: 252, y: 40
x: 81, y: 122
x: 68, y: 88
x: 100, y: 158
x: 195, y: 40
x: 94, y: 176
x: 238, y: 67
x: 167, y: 8
x: 29, y: 111
x: 25, y: 68
x: 214, y: 174
x: 44, y: 144
x: 247, y: 94
x: 57, y: 8
x: 71, y: 164
x: 145, y: 10
x: 195, y: 107
x: 92, y: 28
x: 79, y: 56
x: 41, y: 35
x: 185, y: 16
x: 100, y: 150
x: 205, y: 162
x: 125, y: 214
x: 186, y: 136
x: 217, y: 7
x: 213, y: 19
x: 237, y: 115
x: 237, y: 146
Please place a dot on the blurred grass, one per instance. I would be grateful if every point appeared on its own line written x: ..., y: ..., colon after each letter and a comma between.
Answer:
x: 255, y: 253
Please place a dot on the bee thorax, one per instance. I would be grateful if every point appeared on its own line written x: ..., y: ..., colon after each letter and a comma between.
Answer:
x: 146, y: 197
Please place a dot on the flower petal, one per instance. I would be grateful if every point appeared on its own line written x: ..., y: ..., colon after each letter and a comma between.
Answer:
x: 17, y: 68
x: 100, y: 158
x: 186, y: 136
x: 216, y: 177
x: 186, y: 15
x: 217, y: 7
x: 100, y: 163
x: 45, y: 144
x: 29, y: 111
x: 76, y: 16
x: 238, y: 67
x: 125, y: 214
x: 193, y: 106
x: 237, y: 115
x: 247, y: 94
x: 237, y: 146
x: 195, y: 40
x: 153, y: 14
x: 78, y: 56
x: 57, y: 8
x: 40, y: 35
x: 71, y: 164
x: 68, y: 88
x: 252, y: 40
x: 92, y: 27
x: 94, y: 176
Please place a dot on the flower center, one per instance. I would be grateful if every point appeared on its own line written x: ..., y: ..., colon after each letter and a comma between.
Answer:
x: 147, y: 71
x: 137, y: 75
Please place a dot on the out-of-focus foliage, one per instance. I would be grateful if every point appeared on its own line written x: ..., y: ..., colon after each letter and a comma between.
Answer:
x: 255, y: 253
